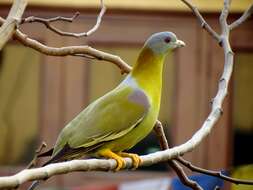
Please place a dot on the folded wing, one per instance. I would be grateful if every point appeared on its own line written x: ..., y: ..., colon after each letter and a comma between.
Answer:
x: 108, y: 118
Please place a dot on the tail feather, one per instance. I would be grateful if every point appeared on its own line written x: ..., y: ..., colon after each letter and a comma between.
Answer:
x: 66, y: 153
x: 47, y: 153
x: 34, y: 185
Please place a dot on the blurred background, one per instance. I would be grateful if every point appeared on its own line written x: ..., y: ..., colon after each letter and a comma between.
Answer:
x: 39, y: 94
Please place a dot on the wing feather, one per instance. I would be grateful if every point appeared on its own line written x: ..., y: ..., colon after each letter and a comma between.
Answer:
x: 108, y: 118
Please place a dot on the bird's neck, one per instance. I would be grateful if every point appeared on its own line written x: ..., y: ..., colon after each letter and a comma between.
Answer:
x: 148, y: 72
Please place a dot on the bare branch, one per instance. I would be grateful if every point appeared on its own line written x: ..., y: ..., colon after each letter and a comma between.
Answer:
x: 8, y: 27
x: 72, y: 50
x: 158, y: 128
x: 48, y: 23
x: 213, y: 173
x: 216, y: 110
x: 223, y: 18
x: 77, y: 165
x: 81, y: 51
x: 246, y: 15
x: 202, y: 21
x: 99, y: 19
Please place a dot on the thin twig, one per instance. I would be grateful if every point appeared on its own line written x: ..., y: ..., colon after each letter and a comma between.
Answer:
x: 213, y: 173
x: 81, y: 51
x: 246, y: 15
x: 202, y: 21
x: 158, y: 128
x: 48, y: 23
x: 99, y: 19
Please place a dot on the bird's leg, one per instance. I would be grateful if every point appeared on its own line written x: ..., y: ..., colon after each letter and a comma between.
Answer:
x: 135, y: 158
x: 107, y: 153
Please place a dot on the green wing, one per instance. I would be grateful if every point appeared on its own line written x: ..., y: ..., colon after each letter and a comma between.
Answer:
x: 108, y: 118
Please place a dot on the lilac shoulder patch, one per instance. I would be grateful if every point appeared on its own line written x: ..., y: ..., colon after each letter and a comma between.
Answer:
x: 139, y: 97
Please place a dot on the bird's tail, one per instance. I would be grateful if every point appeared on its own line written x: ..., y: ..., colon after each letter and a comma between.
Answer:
x: 66, y: 153
x: 44, y: 154
x: 34, y: 185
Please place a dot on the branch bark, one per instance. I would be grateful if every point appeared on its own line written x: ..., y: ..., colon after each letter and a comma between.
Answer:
x: 14, y: 16
x: 76, y: 165
x: 216, y: 110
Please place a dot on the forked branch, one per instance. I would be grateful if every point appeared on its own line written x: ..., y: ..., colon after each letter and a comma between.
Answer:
x: 163, y: 143
x: 158, y: 128
x: 8, y: 27
x: 245, y: 16
x: 213, y: 173
x: 48, y: 23
x: 85, y: 51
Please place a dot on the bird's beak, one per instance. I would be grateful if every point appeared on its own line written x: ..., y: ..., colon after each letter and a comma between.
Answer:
x: 180, y: 43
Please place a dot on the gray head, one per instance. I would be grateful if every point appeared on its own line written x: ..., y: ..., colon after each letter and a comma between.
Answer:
x: 162, y: 42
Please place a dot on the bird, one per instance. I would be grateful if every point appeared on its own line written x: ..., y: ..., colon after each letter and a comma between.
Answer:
x: 125, y: 115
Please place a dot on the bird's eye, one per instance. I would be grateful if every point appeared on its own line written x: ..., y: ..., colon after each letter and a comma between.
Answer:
x: 167, y: 39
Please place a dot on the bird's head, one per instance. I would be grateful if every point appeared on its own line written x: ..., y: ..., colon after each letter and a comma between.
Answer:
x: 163, y: 42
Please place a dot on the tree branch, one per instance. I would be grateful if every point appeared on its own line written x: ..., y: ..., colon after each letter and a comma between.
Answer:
x: 158, y: 128
x: 217, y: 102
x: 246, y: 15
x: 81, y: 51
x: 213, y: 173
x: 79, y: 165
x: 8, y: 27
x: 202, y: 21
x: 72, y: 50
x: 48, y: 23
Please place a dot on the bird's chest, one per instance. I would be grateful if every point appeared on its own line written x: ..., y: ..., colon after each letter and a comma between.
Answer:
x: 146, y: 126
x: 148, y: 122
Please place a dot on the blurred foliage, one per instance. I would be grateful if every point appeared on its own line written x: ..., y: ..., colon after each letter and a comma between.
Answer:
x: 19, y: 104
x: 243, y: 92
x: 243, y: 172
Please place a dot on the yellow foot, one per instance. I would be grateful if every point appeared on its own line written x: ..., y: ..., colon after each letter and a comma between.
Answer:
x: 135, y: 158
x: 107, y: 153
